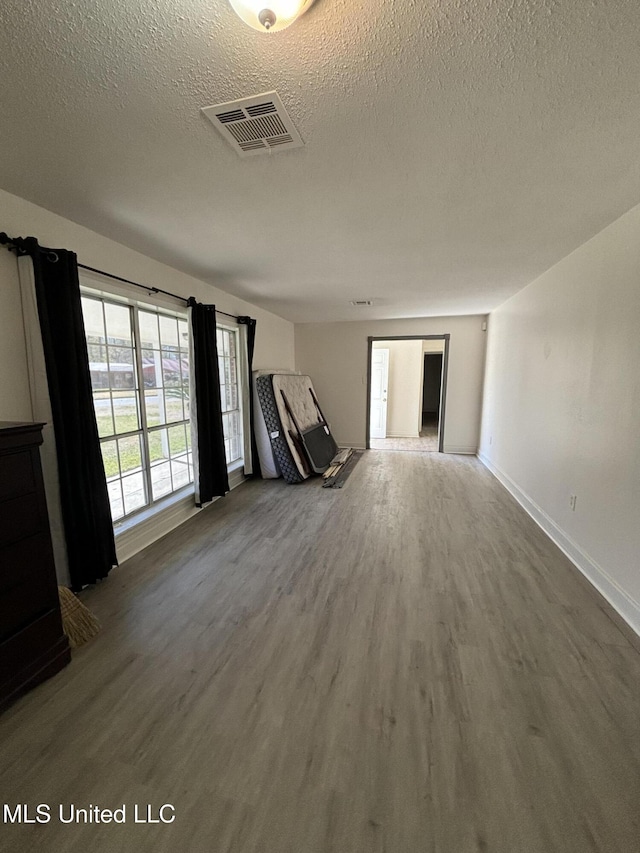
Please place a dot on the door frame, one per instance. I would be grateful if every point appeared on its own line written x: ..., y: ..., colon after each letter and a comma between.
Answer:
x: 445, y: 370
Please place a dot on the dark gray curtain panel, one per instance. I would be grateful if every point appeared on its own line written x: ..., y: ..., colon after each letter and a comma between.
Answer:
x: 209, y: 460
x: 250, y: 323
x: 84, y: 499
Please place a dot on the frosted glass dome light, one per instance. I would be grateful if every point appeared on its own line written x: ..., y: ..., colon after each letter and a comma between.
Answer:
x: 270, y: 15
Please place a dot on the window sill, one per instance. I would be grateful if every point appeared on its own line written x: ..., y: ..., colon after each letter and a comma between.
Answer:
x: 127, y: 524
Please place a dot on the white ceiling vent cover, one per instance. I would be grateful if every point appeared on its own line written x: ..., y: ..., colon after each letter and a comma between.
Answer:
x: 257, y: 125
x: 361, y: 303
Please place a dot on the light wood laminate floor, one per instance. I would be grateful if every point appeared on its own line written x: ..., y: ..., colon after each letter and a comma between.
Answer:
x: 407, y: 665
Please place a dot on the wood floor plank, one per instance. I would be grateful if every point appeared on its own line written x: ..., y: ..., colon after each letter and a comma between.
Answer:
x: 407, y: 665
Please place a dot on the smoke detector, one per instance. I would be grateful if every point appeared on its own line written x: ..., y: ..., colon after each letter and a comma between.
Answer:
x: 256, y: 125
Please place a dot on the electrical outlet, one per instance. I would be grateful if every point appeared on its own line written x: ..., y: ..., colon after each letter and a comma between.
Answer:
x: 572, y: 502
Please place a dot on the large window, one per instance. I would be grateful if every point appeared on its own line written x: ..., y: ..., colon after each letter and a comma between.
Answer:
x: 228, y: 357
x: 139, y: 363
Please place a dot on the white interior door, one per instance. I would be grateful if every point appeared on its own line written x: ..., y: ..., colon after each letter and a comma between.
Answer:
x: 379, y: 386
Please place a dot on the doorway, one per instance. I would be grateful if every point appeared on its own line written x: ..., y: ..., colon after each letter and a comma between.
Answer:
x: 406, y: 393
x: 431, y: 395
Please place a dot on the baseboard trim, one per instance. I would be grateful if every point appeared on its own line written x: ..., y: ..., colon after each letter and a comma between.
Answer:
x: 351, y: 444
x: 466, y: 451
x: 620, y: 600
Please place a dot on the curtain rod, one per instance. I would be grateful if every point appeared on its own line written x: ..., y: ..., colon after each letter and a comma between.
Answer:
x: 149, y: 289
x: 10, y: 243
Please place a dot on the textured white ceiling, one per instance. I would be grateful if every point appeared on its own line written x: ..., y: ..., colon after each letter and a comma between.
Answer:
x: 454, y: 149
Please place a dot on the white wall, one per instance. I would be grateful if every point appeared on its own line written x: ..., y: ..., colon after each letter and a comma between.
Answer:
x: 274, y: 336
x: 432, y: 346
x: 15, y: 402
x: 404, y: 389
x: 335, y: 356
x: 562, y: 406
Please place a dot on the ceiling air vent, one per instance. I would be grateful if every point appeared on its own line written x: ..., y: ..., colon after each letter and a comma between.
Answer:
x: 361, y: 303
x: 257, y: 125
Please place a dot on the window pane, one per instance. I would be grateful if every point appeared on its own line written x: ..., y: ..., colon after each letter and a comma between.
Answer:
x: 184, y: 368
x: 97, y: 354
x: 229, y: 394
x: 118, y: 318
x: 161, y: 480
x: 171, y: 370
x: 93, y: 320
x: 130, y: 454
x: 149, y: 336
x: 168, y: 332
x: 104, y: 413
x: 110, y: 459
x: 151, y: 368
x: 158, y: 445
x: 134, y: 492
x: 183, y: 334
x: 177, y: 440
x: 173, y: 405
x: 154, y: 402
x: 99, y: 374
x: 180, y: 472
x: 115, y: 499
x: 121, y: 368
x: 233, y: 434
x: 125, y: 411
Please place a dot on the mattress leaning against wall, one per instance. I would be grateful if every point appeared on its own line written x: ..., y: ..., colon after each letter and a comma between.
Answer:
x: 268, y: 463
x: 308, y: 431
x: 300, y: 437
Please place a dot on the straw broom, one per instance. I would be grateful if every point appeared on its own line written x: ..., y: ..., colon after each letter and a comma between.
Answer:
x: 78, y: 623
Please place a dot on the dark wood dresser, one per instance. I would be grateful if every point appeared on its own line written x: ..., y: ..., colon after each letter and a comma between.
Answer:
x: 32, y: 644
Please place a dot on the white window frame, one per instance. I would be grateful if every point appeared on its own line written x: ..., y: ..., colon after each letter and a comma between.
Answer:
x: 229, y: 326
x: 105, y: 294
x: 95, y: 285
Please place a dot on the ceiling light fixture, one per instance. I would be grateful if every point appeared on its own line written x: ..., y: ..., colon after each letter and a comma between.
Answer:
x: 270, y: 15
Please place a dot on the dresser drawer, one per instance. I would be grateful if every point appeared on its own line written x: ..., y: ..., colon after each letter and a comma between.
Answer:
x: 30, y: 655
x: 20, y: 518
x: 16, y: 474
x: 32, y: 643
x: 27, y: 586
